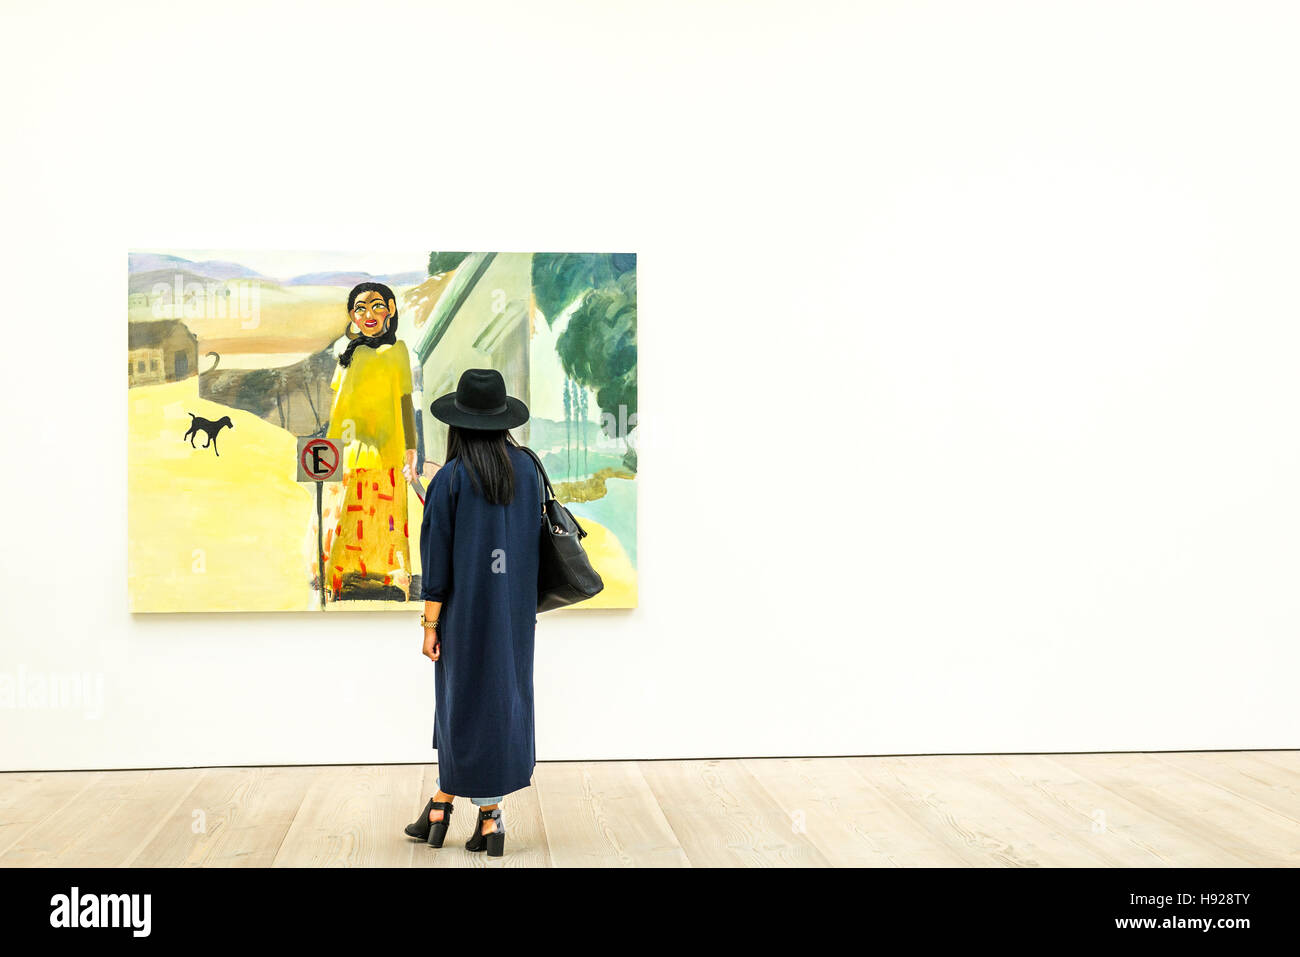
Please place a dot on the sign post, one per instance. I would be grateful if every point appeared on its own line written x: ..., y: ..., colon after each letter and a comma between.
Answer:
x: 320, y: 461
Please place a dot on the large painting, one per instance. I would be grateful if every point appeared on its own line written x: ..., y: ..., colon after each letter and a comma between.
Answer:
x: 241, y: 370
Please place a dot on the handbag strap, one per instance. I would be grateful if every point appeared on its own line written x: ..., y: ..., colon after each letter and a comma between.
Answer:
x: 541, y: 471
x: 547, y: 488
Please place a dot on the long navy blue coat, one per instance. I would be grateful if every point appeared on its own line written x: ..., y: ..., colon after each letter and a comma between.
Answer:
x: 480, y: 561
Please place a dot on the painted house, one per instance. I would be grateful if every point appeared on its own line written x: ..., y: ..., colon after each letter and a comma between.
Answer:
x: 481, y: 320
x: 160, y: 350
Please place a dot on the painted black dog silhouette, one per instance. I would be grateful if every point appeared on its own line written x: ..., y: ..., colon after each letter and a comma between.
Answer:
x: 208, y: 426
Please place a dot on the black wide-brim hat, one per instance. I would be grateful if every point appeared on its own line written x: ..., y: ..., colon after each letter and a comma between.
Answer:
x: 480, y: 402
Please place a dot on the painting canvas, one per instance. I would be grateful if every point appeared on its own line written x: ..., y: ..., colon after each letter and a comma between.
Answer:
x: 244, y: 367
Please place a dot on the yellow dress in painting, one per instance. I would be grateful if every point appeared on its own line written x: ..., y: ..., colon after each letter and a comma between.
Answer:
x: 365, y: 515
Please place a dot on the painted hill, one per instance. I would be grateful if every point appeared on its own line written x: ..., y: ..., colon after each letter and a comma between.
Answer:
x: 145, y: 281
x: 209, y: 269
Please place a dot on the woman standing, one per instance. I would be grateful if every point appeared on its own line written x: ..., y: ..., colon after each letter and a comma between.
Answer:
x: 479, y: 545
x: 367, y: 548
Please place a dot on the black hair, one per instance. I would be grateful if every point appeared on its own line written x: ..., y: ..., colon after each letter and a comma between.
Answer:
x: 388, y: 336
x: 486, y: 456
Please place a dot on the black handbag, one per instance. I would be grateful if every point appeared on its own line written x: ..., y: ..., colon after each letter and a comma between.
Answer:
x: 564, y: 572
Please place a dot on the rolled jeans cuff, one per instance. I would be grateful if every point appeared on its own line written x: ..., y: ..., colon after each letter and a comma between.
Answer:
x: 478, y: 802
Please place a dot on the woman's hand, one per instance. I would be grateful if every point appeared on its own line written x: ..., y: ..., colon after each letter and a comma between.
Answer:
x: 432, y: 639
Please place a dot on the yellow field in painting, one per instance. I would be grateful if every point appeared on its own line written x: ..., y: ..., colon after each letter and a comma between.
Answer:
x: 229, y: 532
x: 610, y: 559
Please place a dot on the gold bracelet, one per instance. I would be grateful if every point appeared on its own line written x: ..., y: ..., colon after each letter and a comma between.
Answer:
x: 426, y: 623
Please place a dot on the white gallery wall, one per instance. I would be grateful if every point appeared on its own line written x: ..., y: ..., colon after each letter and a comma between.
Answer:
x: 970, y: 415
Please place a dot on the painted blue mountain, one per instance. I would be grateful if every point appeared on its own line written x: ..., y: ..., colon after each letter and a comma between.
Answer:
x: 210, y: 269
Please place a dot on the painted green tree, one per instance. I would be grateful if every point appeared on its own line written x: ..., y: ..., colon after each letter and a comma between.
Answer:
x: 440, y: 263
x: 598, y: 349
x: 560, y: 279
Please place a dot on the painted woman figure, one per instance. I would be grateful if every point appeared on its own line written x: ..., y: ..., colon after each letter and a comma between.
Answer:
x: 367, y: 549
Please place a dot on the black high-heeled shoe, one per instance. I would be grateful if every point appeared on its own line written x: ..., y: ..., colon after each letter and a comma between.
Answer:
x: 432, y: 832
x: 495, y: 843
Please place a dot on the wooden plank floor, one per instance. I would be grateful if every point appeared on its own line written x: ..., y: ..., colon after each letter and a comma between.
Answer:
x: 1176, y: 809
